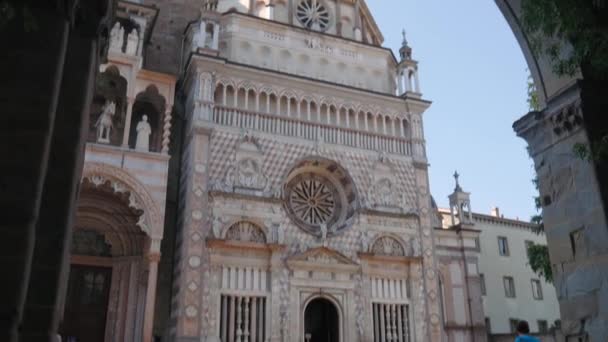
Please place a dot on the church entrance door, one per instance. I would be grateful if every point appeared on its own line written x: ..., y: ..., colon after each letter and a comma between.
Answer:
x: 321, y: 321
x: 87, y: 303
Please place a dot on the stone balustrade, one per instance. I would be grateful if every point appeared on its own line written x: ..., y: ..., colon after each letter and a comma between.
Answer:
x: 315, y: 131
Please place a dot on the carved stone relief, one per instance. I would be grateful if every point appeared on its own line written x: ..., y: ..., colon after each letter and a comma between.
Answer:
x: 246, y: 232
x: 387, y: 245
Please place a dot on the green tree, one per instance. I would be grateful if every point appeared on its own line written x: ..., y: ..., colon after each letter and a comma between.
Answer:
x: 538, y: 255
x: 573, y: 33
x: 538, y: 259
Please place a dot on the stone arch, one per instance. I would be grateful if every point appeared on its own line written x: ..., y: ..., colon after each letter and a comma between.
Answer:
x: 330, y: 299
x: 245, y: 231
x: 152, y: 104
x: 389, y: 245
x: 151, y: 220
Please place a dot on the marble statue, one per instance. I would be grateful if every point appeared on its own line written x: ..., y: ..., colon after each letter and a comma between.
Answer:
x: 324, y: 233
x: 104, y: 122
x: 142, y: 142
x: 132, y: 42
x: 116, y: 37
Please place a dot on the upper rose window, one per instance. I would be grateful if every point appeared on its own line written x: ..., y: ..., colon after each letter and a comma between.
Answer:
x: 313, y: 15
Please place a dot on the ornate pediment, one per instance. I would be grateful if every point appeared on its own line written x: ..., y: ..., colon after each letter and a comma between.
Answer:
x: 323, y: 256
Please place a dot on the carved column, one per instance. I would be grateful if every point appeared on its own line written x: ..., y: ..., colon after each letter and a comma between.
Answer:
x: 167, y: 130
x: 125, y: 134
x: 290, y: 11
x: 216, y: 36
x: 153, y: 259
x: 338, y: 18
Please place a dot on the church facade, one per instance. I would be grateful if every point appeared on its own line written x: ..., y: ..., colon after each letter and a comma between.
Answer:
x: 304, y: 211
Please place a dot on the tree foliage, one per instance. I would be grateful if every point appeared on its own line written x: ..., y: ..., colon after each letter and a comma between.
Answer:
x: 538, y: 259
x: 572, y: 33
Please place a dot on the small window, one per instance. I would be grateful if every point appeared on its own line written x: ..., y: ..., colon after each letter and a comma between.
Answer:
x: 482, y: 283
x: 528, y: 245
x: 509, y: 287
x: 503, y: 246
x: 537, y: 291
x: 542, y: 326
x: 477, y: 244
x: 513, y: 324
x: 488, y: 325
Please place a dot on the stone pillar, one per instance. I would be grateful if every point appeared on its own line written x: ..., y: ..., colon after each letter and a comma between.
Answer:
x: 216, y: 36
x: 25, y: 146
x: 153, y: 260
x: 358, y: 32
x: 50, y: 266
x: 167, y: 130
x: 46, y: 104
x: 290, y: 11
x: 338, y: 18
x: 128, y: 116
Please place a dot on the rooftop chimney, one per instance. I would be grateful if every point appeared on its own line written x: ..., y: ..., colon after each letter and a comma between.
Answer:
x: 495, y: 212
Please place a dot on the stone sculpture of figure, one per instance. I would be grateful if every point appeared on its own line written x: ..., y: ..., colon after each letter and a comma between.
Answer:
x: 104, y: 122
x: 132, y: 42
x: 142, y: 142
x: 365, y: 238
x: 248, y: 175
x: 324, y: 233
x: 116, y: 37
x: 384, y: 192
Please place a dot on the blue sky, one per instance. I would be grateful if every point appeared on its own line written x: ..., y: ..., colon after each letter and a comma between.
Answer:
x: 472, y: 69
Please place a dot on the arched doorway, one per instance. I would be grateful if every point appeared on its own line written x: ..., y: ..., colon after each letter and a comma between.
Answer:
x: 112, y: 267
x: 321, y: 321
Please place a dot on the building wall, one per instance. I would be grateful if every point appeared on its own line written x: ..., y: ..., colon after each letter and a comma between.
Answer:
x: 497, y: 307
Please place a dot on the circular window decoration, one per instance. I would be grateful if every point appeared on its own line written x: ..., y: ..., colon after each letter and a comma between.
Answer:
x: 319, y: 197
x: 313, y: 200
x: 313, y: 15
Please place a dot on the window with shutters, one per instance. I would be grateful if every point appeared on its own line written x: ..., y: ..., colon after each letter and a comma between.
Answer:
x: 509, y: 284
x: 537, y: 291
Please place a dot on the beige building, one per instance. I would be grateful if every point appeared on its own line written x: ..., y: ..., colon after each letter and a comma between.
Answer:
x: 297, y: 207
x: 511, y: 290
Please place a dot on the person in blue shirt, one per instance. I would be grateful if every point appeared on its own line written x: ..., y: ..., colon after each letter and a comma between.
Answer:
x: 523, y: 329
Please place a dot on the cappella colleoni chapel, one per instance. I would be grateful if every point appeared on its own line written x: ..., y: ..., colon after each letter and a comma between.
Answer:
x: 273, y: 187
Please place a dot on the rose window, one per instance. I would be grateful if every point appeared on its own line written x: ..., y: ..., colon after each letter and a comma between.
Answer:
x: 320, y: 198
x: 312, y: 201
x: 313, y: 15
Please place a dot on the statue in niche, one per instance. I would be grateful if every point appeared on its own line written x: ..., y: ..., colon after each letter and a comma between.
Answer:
x: 132, y: 42
x: 142, y: 142
x: 104, y: 122
x: 116, y: 37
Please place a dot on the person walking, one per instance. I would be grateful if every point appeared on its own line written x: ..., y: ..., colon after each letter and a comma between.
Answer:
x: 523, y: 331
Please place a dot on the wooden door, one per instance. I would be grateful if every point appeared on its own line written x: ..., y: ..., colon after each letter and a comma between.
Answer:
x: 86, y: 304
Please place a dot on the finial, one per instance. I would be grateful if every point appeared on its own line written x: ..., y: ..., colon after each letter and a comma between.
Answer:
x: 456, y: 177
x: 404, y: 42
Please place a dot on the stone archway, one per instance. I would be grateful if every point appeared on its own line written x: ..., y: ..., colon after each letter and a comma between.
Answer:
x: 321, y: 321
x: 117, y: 238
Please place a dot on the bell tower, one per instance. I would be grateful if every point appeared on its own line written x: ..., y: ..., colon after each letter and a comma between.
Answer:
x: 407, y: 71
x: 460, y: 205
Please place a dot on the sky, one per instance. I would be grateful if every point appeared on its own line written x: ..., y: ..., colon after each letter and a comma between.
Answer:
x: 472, y: 69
